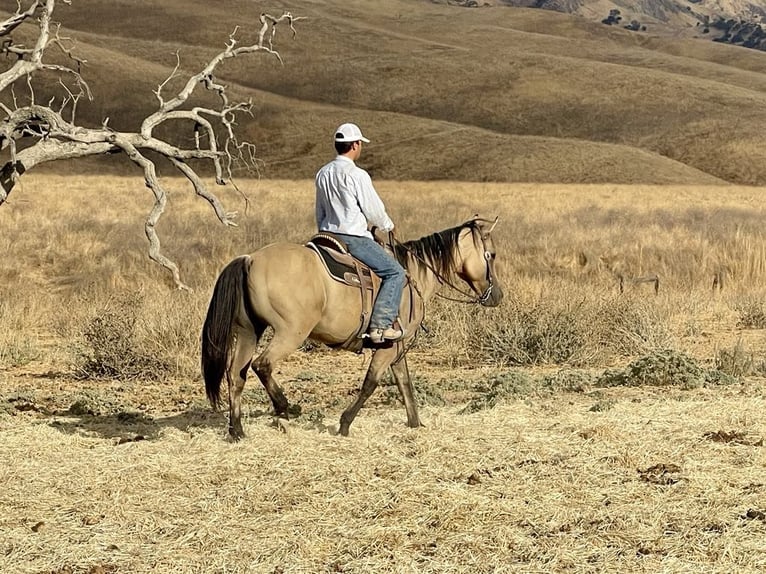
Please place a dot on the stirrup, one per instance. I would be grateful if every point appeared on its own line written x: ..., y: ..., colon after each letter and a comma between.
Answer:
x: 378, y: 336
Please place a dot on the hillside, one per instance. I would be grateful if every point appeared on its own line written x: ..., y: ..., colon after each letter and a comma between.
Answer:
x: 495, y: 94
x: 673, y: 17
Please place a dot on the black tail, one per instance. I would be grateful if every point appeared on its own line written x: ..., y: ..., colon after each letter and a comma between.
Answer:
x: 217, y: 332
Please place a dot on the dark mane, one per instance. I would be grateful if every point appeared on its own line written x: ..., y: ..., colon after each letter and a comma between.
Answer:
x: 436, y: 250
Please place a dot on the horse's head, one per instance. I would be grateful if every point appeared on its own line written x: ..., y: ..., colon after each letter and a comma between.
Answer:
x: 476, y: 260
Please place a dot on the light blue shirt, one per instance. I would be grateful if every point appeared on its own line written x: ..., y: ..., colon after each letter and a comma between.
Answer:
x: 346, y: 201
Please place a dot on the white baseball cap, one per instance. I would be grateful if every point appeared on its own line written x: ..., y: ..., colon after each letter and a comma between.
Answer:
x: 349, y: 133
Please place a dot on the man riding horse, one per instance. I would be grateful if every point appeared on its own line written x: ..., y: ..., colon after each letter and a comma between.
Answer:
x: 346, y: 205
x: 287, y: 287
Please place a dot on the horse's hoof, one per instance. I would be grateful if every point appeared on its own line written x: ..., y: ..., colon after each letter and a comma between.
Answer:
x: 292, y: 411
x: 236, y: 435
x: 283, y: 424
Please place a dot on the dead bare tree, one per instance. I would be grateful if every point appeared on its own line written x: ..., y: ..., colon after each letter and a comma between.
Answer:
x: 53, y: 130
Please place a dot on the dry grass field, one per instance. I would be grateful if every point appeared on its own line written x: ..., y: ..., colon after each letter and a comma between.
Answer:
x: 607, y: 417
x: 576, y: 428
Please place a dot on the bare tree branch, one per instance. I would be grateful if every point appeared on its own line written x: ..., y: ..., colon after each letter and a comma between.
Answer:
x: 53, y: 137
x: 13, y: 22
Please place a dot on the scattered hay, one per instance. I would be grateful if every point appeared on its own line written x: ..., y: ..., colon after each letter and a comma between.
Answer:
x: 599, y: 432
x: 735, y: 437
x: 540, y: 484
x: 662, y: 474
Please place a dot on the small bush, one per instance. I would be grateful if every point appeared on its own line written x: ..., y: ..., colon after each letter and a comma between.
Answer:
x: 751, y: 314
x: 112, y: 348
x: 602, y: 406
x: 93, y: 402
x: 661, y: 368
x: 664, y: 368
x: 628, y: 326
x: 562, y: 330
x: 539, y: 334
x: 568, y: 381
x: 511, y: 384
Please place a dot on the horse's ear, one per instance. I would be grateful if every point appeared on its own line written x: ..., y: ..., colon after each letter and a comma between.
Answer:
x: 497, y: 218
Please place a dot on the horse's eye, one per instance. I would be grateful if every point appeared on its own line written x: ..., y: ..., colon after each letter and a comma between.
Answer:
x: 488, y: 256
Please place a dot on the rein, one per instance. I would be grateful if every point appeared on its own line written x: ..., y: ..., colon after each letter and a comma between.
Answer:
x: 470, y: 298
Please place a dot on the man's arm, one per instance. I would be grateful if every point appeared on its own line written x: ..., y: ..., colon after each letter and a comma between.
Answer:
x: 319, y: 211
x: 370, y: 203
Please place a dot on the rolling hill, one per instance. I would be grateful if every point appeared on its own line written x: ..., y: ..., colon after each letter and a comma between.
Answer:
x: 673, y: 17
x: 494, y: 94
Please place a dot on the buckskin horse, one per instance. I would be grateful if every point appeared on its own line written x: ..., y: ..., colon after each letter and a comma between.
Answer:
x: 287, y: 287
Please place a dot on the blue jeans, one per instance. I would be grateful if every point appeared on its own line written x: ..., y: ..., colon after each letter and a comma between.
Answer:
x: 392, y: 277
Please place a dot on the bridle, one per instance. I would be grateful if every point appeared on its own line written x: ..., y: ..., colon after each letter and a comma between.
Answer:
x: 484, y: 297
x: 470, y: 298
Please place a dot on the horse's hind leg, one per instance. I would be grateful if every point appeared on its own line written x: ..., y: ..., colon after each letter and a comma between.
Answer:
x: 278, y: 348
x: 246, y: 341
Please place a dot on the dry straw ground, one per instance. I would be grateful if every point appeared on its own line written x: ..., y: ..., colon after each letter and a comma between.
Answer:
x: 574, y: 429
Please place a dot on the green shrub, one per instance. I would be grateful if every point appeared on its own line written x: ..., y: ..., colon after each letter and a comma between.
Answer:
x: 661, y: 368
x: 567, y: 380
x: 510, y: 384
x: 664, y: 368
x: 602, y: 405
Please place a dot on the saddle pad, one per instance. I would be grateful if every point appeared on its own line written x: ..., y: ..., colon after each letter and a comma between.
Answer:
x: 341, y: 266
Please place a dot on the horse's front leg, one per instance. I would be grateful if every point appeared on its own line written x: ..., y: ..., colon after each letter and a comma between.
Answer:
x: 381, y: 360
x: 403, y: 380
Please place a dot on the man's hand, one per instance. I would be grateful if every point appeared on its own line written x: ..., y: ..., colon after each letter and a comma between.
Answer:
x: 379, y: 235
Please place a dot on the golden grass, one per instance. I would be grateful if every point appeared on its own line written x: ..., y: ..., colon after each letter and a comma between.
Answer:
x: 78, y: 242
x: 616, y: 479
